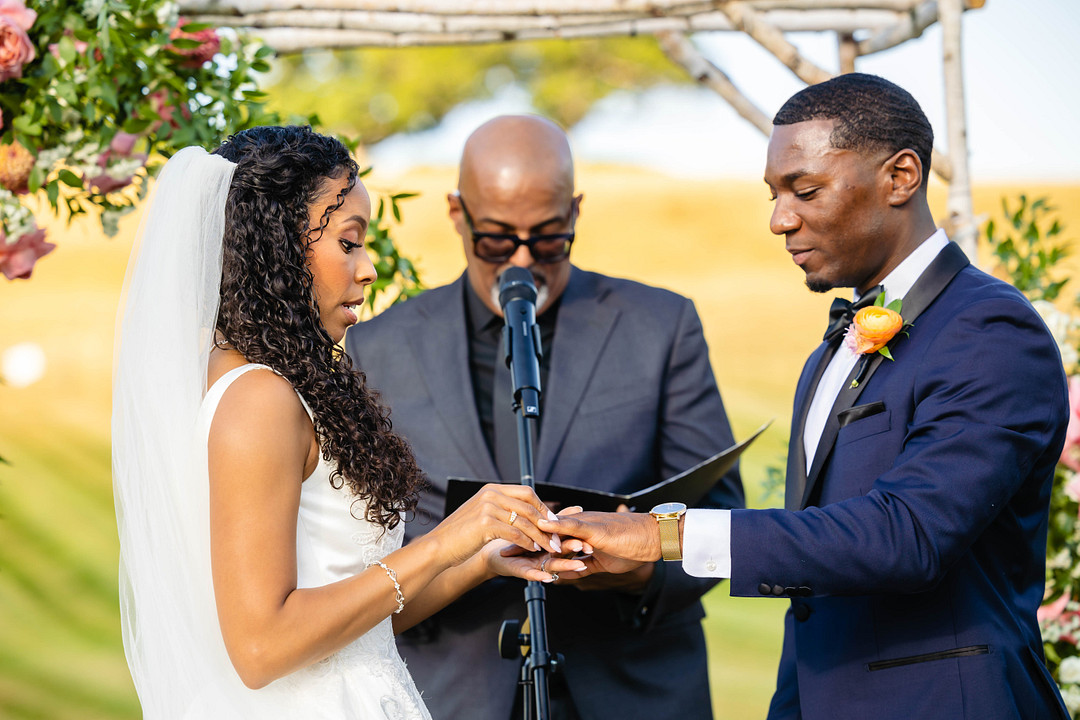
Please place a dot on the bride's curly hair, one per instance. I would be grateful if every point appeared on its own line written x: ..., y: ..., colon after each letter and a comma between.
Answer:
x: 268, y: 310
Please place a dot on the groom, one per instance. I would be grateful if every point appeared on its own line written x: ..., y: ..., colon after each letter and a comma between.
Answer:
x: 912, y: 546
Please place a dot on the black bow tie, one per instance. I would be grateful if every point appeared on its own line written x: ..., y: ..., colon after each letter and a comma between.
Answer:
x: 843, y: 311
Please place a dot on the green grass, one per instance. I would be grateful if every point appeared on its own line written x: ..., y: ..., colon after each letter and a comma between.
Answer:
x: 60, y: 651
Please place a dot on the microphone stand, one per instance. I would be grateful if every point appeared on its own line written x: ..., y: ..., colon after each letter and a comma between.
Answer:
x: 521, y: 342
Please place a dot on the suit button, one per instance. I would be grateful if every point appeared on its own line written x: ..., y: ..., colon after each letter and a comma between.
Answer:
x: 801, y: 612
x: 777, y: 590
x: 790, y: 591
x: 764, y: 589
x: 803, y: 591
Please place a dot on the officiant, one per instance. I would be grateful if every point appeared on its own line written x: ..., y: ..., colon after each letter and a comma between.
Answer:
x: 628, y: 399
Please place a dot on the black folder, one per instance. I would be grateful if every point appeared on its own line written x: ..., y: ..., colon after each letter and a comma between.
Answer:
x: 688, y: 487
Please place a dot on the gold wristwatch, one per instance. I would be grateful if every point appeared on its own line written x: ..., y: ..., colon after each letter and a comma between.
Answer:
x: 667, y: 517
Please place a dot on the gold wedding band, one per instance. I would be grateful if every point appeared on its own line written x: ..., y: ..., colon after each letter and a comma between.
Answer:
x: 513, y: 516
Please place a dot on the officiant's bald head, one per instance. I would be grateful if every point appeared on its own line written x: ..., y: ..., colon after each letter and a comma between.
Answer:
x: 516, y: 179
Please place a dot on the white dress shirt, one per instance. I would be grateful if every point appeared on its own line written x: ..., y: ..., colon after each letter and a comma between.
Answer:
x: 707, y: 533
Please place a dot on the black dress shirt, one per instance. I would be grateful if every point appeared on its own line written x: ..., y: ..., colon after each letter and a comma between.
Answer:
x: 485, y: 347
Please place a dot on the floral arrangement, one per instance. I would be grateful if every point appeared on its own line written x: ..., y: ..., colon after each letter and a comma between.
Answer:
x: 95, y: 95
x: 1027, y: 254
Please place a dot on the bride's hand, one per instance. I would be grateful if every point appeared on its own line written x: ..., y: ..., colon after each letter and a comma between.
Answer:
x: 512, y: 561
x: 604, y: 571
x: 495, y: 512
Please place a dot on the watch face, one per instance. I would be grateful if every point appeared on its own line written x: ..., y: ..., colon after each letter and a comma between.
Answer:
x: 669, y: 508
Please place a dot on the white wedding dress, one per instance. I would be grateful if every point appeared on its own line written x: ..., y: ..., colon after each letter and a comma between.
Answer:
x: 365, y: 680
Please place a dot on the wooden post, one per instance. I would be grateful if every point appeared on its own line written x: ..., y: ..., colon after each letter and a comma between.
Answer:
x: 961, y: 220
x: 849, y: 50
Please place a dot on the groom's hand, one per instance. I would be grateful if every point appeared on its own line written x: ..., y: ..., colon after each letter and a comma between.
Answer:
x: 629, y: 536
x: 606, y: 572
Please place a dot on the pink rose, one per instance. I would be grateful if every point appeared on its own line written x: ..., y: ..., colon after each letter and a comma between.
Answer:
x: 1052, y: 611
x: 121, y: 146
x: 17, y: 259
x: 194, y: 57
x: 16, y: 50
x: 1070, y: 454
x: 19, y: 14
x: 161, y: 103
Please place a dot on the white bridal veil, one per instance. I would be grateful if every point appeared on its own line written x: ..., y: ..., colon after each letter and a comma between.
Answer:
x: 164, y: 331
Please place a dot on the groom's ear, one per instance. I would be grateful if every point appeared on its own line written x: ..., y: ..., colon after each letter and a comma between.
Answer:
x: 904, y: 173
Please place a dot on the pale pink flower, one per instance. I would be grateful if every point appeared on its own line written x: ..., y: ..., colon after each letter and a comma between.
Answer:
x: 80, y: 47
x: 121, y: 146
x: 17, y: 259
x: 1052, y: 611
x: 1070, y: 454
x: 1072, y: 488
x: 16, y: 49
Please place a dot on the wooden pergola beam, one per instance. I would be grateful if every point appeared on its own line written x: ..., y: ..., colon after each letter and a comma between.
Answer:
x: 523, y: 8
x: 863, y: 27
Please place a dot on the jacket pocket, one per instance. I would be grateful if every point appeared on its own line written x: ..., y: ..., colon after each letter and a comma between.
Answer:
x: 864, y: 427
x: 929, y: 657
x: 859, y: 412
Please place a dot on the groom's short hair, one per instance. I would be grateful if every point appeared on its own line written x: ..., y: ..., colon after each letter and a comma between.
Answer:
x: 870, y: 113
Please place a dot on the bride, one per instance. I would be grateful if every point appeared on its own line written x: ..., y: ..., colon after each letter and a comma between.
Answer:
x: 259, y: 487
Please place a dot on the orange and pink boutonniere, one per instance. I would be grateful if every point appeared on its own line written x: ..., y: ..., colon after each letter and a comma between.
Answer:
x: 872, y: 329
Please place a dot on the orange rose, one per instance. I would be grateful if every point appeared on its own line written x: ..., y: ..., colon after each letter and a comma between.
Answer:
x: 872, y: 328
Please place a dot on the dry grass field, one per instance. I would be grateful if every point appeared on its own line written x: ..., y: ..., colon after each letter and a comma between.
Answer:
x: 60, y: 653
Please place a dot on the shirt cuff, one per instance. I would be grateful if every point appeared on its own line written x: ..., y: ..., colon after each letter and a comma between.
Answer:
x: 707, y: 543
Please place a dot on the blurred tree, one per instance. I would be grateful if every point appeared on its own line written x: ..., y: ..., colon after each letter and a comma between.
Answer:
x: 376, y: 92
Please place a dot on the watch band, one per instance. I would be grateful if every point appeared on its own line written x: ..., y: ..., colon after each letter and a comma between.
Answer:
x: 670, y: 547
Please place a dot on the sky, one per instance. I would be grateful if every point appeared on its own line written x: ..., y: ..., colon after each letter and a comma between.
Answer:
x: 1022, y: 88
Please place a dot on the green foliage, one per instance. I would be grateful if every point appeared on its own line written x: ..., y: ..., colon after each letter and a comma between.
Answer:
x: 772, y: 487
x: 376, y: 92
x: 109, y: 66
x: 115, y: 88
x: 1062, y: 547
x: 1027, y: 250
x: 1028, y: 253
x: 398, y: 278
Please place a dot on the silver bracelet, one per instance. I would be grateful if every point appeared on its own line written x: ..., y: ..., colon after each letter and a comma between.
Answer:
x: 399, y: 596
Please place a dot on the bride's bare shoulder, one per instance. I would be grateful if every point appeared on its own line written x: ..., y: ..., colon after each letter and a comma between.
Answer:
x: 222, y: 360
x: 258, y: 407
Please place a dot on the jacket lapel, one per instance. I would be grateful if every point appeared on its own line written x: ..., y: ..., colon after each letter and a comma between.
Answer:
x: 443, y: 356
x: 934, y: 279
x: 796, y: 466
x: 582, y: 330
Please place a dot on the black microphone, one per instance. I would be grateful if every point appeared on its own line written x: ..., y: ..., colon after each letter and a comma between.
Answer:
x: 521, y: 337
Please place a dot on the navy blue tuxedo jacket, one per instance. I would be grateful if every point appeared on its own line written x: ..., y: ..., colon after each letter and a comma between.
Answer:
x: 630, y: 400
x: 915, y: 556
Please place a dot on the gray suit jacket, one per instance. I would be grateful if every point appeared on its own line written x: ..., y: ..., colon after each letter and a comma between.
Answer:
x: 630, y: 400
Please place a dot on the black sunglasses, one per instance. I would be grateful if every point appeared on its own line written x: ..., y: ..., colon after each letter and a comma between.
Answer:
x: 500, y: 247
